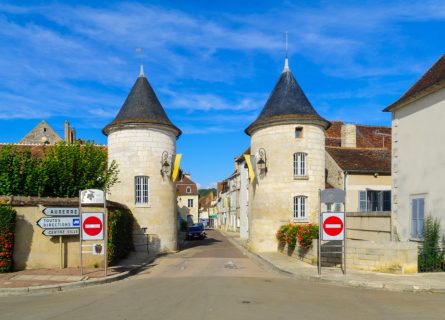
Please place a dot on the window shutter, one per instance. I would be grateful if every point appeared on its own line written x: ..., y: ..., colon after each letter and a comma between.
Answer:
x: 362, y: 201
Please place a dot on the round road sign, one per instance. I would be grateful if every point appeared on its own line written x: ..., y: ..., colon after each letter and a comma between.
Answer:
x: 333, y: 226
x: 92, y: 226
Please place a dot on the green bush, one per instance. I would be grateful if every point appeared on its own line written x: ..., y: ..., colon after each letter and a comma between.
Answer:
x: 120, y: 234
x: 7, y: 228
x: 61, y: 171
x: 431, y: 256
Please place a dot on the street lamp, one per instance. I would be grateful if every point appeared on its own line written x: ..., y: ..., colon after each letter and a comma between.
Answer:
x: 262, y: 164
x: 166, y: 168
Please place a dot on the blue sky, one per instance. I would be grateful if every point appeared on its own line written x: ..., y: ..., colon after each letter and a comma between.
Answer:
x: 211, y: 63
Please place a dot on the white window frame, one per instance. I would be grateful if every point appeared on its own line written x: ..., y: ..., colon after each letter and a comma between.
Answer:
x: 300, y: 164
x: 189, y: 203
x: 141, y: 190
x: 300, y: 206
x: 188, y: 189
x: 364, y: 204
x: 417, y: 217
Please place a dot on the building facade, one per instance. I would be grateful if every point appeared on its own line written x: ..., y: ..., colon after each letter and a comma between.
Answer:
x: 418, y: 166
x: 187, y: 199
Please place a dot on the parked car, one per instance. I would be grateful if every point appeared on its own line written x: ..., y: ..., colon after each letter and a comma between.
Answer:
x: 196, y: 232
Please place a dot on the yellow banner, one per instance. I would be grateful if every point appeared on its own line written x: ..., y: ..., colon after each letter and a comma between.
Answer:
x: 176, y: 167
x: 249, y: 166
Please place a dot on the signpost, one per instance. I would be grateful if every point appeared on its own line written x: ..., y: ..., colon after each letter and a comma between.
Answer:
x: 58, y: 223
x: 60, y: 232
x: 61, y: 221
x: 94, y: 225
x: 60, y: 212
x: 332, y: 225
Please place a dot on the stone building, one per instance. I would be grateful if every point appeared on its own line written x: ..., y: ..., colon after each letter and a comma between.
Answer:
x: 142, y: 141
x: 41, y: 134
x: 187, y: 199
x: 418, y: 154
x: 288, y: 138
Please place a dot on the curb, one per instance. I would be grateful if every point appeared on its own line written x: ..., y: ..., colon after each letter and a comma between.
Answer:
x: 342, y: 282
x: 71, y: 286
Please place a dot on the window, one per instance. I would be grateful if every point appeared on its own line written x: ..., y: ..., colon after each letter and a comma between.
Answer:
x: 141, y: 190
x: 190, y: 203
x: 298, y: 133
x: 374, y: 200
x: 417, y: 217
x: 188, y: 190
x: 300, y: 164
x: 300, y: 207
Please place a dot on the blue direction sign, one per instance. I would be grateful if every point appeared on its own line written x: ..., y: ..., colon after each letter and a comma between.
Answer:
x: 60, y: 211
x: 58, y: 223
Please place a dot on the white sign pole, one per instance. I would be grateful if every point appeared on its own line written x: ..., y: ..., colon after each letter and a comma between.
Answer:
x: 105, y: 228
x: 80, y: 233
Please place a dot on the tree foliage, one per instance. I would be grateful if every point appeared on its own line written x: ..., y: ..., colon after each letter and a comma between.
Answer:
x: 61, y: 171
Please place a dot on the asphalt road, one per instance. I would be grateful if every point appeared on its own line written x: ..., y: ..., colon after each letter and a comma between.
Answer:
x: 212, y: 279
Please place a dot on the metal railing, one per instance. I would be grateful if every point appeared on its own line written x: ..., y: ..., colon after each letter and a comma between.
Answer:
x: 431, y: 259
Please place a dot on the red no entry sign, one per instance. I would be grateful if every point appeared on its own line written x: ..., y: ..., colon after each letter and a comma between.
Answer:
x: 333, y: 226
x: 92, y: 226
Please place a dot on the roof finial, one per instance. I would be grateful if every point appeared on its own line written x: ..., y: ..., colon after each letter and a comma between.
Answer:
x: 139, y: 53
x: 286, y: 60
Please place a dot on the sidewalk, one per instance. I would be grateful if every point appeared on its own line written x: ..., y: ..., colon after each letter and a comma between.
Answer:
x: 52, y: 280
x: 421, y: 282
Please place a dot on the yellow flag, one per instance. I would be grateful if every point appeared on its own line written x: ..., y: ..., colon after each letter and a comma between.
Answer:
x: 176, y: 167
x: 250, y: 167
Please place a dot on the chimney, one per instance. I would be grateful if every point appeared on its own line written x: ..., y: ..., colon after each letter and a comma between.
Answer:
x: 349, y: 135
x: 67, y: 132
x: 187, y: 175
x: 72, y: 135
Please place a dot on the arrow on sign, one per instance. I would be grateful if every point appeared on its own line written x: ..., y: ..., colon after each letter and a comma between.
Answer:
x: 60, y: 212
x: 58, y: 223
x: 61, y: 232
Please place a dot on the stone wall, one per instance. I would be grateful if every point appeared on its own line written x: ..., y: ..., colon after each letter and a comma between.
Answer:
x: 376, y: 256
x: 372, y: 226
x: 34, y: 250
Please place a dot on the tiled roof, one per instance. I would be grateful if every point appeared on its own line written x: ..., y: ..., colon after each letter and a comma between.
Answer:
x: 240, y: 158
x: 362, y: 160
x: 287, y: 102
x: 434, y: 77
x: 182, y: 185
x: 367, y: 136
x: 141, y: 106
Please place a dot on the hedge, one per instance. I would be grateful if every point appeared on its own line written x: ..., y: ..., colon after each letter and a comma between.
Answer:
x: 7, y: 227
x: 120, y: 234
x: 60, y: 170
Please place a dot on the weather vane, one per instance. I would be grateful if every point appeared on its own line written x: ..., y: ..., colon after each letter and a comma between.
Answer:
x: 139, y: 53
x: 286, y: 61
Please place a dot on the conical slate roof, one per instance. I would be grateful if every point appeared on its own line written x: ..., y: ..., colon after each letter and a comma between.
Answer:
x: 141, y: 107
x: 287, y: 104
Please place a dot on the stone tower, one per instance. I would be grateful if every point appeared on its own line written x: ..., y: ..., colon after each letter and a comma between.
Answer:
x: 288, y: 140
x: 141, y: 139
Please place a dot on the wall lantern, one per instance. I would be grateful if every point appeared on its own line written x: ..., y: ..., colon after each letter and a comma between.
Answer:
x: 166, y: 168
x: 261, y: 163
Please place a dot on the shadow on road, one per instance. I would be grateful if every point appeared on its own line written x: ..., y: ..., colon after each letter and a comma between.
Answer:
x: 188, y: 244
